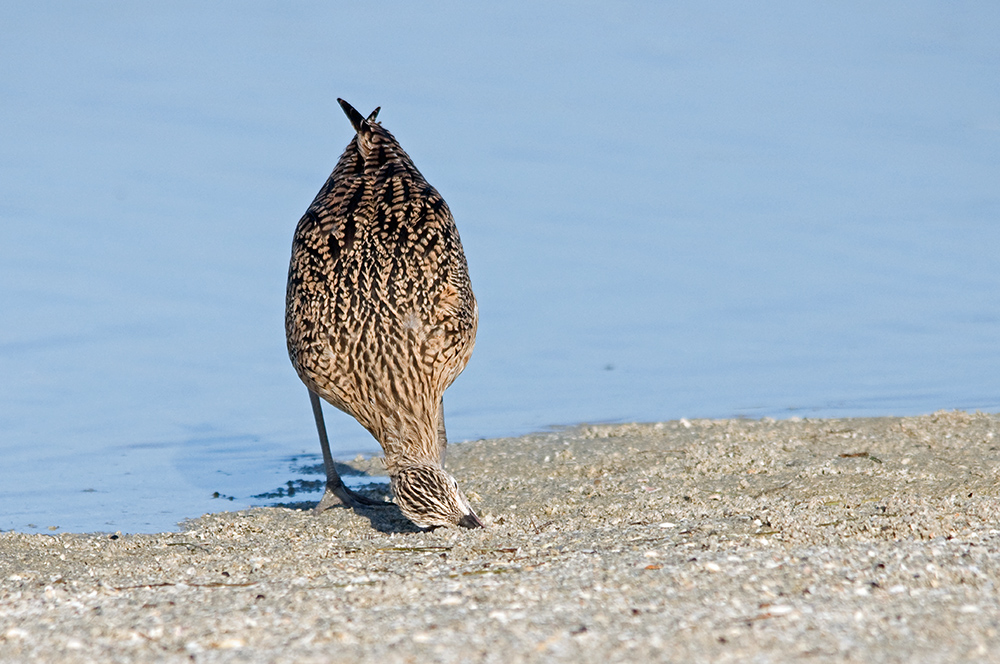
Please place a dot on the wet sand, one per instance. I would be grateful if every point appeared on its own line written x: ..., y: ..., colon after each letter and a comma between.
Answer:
x: 738, y: 540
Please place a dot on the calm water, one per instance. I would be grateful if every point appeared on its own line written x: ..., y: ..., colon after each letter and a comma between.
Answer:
x: 667, y: 211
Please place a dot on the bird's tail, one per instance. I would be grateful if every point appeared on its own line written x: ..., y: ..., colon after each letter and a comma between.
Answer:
x: 357, y: 121
x: 363, y: 126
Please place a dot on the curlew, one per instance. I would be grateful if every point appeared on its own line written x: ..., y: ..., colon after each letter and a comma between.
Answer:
x: 380, y: 319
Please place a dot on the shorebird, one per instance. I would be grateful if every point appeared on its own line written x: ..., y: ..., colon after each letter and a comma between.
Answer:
x: 380, y: 319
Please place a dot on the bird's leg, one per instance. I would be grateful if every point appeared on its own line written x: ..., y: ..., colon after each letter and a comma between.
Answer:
x: 442, y: 434
x: 336, y: 492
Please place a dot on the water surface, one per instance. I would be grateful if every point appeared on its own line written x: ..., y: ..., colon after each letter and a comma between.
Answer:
x: 668, y: 211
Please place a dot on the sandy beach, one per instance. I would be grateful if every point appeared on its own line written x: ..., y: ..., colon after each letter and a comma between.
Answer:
x: 727, y: 540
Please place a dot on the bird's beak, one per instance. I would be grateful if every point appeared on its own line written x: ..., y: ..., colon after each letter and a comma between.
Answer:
x: 470, y: 520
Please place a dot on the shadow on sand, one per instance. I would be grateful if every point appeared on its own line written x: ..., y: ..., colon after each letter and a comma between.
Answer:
x: 384, y: 518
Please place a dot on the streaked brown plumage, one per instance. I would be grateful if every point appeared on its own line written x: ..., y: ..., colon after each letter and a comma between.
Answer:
x: 380, y: 317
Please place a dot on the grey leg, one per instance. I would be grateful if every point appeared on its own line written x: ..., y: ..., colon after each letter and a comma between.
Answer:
x: 336, y: 493
x: 442, y: 434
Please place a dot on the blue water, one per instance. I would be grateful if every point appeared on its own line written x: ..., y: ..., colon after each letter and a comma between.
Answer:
x: 669, y: 209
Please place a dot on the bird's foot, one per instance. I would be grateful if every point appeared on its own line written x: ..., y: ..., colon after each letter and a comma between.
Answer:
x: 341, y: 495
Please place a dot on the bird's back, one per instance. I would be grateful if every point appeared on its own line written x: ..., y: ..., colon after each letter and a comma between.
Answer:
x: 380, y: 315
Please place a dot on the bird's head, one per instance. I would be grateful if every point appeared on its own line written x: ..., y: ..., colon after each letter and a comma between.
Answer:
x: 430, y: 497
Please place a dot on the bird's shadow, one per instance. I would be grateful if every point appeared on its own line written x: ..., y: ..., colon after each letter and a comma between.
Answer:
x: 385, y: 518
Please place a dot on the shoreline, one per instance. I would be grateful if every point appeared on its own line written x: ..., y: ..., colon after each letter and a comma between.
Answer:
x: 836, y: 539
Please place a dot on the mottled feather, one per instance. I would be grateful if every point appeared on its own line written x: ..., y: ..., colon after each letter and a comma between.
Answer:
x: 380, y: 315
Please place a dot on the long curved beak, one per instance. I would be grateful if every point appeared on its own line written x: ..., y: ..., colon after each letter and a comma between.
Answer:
x: 470, y: 520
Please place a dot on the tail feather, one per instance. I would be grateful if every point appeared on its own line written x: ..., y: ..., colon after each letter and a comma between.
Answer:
x: 367, y: 135
x: 357, y: 121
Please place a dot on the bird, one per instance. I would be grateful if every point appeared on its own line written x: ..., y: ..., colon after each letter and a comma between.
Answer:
x: 380, y: 319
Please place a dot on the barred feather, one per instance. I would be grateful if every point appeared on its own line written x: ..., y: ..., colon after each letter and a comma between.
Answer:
x: 380, y: 315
